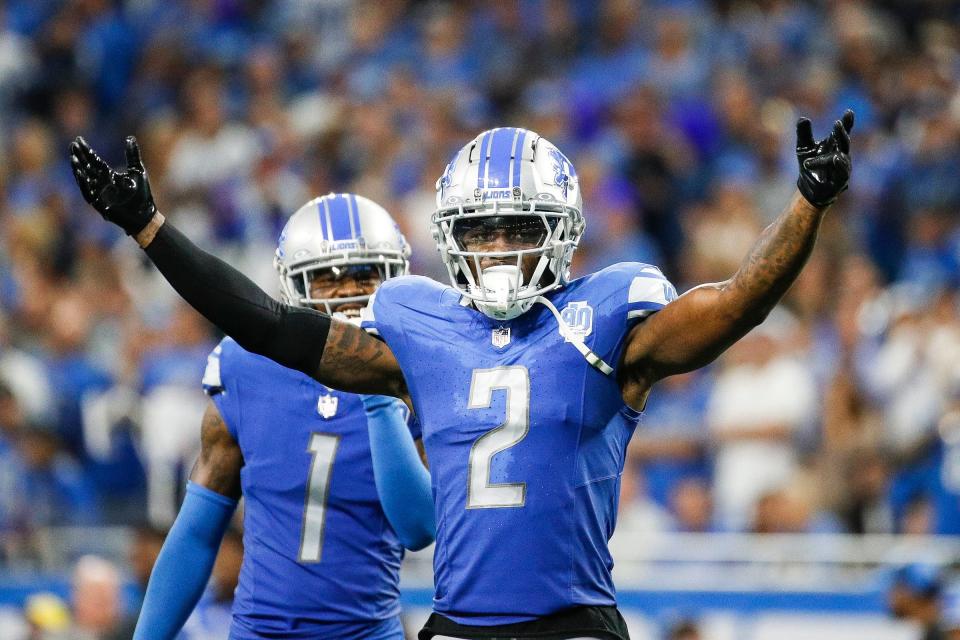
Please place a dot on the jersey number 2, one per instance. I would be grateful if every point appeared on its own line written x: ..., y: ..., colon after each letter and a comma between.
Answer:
x: 481, y: 493
x: 323, y: 446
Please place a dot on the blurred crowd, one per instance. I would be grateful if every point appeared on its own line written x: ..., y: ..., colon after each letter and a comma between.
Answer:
x: 841, y: 413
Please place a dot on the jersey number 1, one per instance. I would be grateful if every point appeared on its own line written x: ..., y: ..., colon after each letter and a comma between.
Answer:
x: 323, y: 446
x: 481, y: 493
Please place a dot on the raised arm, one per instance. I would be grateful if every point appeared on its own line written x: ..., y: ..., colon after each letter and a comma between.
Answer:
x: 701, y: 324
x: 337, y: 354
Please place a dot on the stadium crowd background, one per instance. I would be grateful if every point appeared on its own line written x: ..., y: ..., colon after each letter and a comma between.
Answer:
x: 840, y: 414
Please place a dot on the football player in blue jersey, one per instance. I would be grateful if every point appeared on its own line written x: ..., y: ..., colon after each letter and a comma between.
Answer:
x: 323, y: 541
x: 528, y: 384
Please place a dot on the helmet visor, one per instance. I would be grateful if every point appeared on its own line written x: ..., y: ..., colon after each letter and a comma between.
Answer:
x: 325, y: 282
x: 501, y: 233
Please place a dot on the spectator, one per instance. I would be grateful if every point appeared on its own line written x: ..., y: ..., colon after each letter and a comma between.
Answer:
x: 47, y: 616
x: 172, y: 409
x: 867, y: 508
x: 691, y: 506
x: 671, y: 443
x: 53, y: 483
x: 96, y: 600
x: 684, y: 630
x: 914, y: 594
x: 950, y: 620
x: 142, y: 555
x: 763, y: 400
x: 676, y: 113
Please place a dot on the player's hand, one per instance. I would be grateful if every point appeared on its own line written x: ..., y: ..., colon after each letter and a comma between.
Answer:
x: 121, y: 197
x: 824, y: 165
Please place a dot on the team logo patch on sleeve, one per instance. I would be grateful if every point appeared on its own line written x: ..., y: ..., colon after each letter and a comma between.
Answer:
x: 327, y: 406
x: 578, y: 316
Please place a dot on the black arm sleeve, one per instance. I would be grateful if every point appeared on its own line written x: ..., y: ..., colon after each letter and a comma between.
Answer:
x: 291, y: 336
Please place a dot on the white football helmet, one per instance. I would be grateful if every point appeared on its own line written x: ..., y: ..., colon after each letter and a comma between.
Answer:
x: 509, y: 178
x: 333, y: 232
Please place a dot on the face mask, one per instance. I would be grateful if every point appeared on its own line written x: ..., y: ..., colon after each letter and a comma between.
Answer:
x: 500, y: 286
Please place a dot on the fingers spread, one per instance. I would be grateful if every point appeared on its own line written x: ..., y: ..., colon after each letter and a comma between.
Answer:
x: 88, y: 156
x: 804, y: 133
x: 83, y: 181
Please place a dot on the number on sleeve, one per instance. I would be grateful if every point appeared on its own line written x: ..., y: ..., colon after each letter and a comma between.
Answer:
x: 481, y: 493
x: 323, y: 446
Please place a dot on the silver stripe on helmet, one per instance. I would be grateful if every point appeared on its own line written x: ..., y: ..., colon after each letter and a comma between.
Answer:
x: 306, y: 245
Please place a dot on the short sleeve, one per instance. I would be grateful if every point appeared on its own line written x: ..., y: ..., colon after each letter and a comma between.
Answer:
x: 649, y: 292
x: 220, y: 385
x: 368, y: 319
x: 212, y: 382
x: 388, y: 307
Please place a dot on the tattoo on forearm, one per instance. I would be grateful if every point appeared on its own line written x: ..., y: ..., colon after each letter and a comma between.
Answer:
x: 705, y: 321
x: 776, y: 259
x: 352, y: 359
x: 354, y: 346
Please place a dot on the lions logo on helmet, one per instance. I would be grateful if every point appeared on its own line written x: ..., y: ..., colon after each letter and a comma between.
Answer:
x: 508, y: 174
x: 334, y: 232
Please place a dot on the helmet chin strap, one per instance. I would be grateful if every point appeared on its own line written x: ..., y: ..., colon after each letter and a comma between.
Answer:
x: 594, y: 360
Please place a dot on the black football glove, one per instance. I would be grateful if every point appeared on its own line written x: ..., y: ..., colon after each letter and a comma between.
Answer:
x: 121, y: 197
x: 824, y: 165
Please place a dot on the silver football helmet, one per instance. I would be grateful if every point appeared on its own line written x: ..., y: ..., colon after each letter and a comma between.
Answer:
x: 337, y: 231
x: 508, y: 179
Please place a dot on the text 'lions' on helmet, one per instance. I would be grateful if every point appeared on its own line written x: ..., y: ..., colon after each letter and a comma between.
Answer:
x: 508, y: 179
x: 336, y: 231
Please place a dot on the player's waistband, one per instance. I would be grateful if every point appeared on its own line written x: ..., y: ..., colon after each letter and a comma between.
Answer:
x: 245, y: 628
x: 588, y: 622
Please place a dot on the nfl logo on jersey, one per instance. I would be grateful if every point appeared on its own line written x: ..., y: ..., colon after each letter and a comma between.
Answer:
x: 327, y: 406
x: 578, y: 316
x: 500, y: 337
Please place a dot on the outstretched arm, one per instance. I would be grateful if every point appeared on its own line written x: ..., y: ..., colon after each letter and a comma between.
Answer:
x: 186, y: 559
x: 335, y: 353
x: 701, y: 324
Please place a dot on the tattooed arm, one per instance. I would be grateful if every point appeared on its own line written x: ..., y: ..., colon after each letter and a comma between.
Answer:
x: 220, y: 461
x: 294, y: 337
x: 186, y: 560
x: 698, y: 326
x: 355, y: 361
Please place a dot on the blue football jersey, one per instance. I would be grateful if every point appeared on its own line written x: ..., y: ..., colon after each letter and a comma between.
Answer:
x: 526, y: 440
x: 320, y: 558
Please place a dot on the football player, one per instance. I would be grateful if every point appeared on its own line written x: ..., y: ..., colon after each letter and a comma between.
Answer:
x: 328, y: 507
x: 528, y: 384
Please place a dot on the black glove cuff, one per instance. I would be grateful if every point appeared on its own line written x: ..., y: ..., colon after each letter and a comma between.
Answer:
x: 818, y: 200
x: 132, y: 225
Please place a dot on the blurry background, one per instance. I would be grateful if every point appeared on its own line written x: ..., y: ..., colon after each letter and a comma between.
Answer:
x: 808, y: 483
